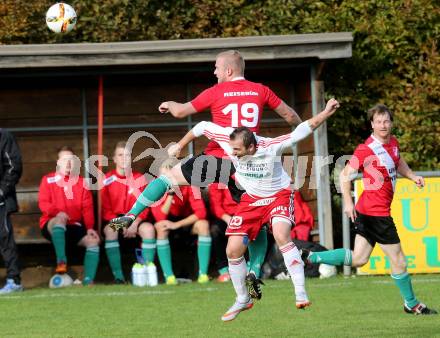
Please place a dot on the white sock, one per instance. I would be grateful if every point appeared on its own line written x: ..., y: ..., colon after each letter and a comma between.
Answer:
x: 295, y: 266
x: 237, y: 271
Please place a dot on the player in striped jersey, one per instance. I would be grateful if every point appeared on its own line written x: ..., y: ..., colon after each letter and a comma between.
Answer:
x: 268, y: 198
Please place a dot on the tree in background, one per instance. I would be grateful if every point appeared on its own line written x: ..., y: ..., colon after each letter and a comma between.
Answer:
x: 395, y: 54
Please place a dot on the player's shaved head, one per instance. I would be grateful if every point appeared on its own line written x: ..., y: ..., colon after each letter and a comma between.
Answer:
x: 234, y: 60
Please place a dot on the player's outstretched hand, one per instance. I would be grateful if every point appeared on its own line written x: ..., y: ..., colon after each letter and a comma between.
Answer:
x: 174, y: 150
x: 121, y: 222
x: 332, y: 105
x: 164, y: 107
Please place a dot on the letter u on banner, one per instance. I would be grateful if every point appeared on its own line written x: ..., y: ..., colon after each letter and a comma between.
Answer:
x: 406, y: 214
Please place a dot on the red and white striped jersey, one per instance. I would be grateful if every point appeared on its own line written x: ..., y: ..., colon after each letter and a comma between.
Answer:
x: 378, y: 162
x: 261, y: 174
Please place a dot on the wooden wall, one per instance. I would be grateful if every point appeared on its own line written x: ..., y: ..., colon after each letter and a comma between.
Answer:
x: 129, y: 99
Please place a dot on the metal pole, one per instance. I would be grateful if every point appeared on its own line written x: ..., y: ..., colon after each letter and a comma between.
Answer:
x: 319, y: 194
x: 189, y: 121
x: 345, y: 237
x: 100, y: 142
x: 85, y: 134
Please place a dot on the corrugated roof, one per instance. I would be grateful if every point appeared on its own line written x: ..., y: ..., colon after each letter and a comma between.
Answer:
x: 322, y: 46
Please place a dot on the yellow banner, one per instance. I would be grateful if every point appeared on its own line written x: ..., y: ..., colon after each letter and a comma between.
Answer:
x: 416, y: 213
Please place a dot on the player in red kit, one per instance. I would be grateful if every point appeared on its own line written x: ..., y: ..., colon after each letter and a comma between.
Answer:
x: 233, y: 102
x: 185, y: 213
x: 121, y: 187
x: 67, y: 214
x: 379, y: 160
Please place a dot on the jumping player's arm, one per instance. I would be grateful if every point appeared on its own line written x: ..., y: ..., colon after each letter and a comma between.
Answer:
x: 288, y: 114
x: 404, y: 170
x: 179, y: 110
x: 210, y: 130
x: 330, y: 108
x: 304, y: 129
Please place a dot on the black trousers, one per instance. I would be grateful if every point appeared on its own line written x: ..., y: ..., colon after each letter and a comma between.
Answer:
x: 8, y: 248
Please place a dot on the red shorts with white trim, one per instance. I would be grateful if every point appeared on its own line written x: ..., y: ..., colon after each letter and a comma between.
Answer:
x: 253, y: 212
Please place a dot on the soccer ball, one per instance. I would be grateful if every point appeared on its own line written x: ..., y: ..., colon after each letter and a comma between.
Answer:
x: 61, y: 18
x: 60, y: 281
x: 327, y: 271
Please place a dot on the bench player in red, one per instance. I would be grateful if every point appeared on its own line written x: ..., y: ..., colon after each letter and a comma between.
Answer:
x: 66, y: 205
x: 121, y: 187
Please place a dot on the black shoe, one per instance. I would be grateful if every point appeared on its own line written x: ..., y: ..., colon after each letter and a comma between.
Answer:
x: 118, y: 281
x: 419, y: 309
x: 253, y: 285
x: 121, y: 222
x: 305, y: 255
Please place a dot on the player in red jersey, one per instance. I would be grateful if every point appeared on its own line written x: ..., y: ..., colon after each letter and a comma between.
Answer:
x: 379, y: 160
x: 186, y: 214
x: 121, y: 187
x: 234, y: 102
x: 67, y: 214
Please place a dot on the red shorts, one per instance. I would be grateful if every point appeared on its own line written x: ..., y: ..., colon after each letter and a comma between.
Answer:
x: 252, y: 213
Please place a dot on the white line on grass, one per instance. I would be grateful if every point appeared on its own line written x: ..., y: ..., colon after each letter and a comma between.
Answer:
x: 55, y: 294
x: 413, y: 280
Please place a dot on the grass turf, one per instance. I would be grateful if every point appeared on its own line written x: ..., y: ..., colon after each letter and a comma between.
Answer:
x: 353, y: 307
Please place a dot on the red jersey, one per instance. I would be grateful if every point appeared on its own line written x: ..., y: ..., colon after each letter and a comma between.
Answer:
x: 378, y: 162
x: 221, y: 201
x: 181, y: 207
x: 58, y: 193
x: 234, y: 104
x: 120, y: 193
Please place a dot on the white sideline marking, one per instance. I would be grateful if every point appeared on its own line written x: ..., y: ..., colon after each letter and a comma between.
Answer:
x: 413, y: 280
x: 350, y: 282
x: 54, y: 294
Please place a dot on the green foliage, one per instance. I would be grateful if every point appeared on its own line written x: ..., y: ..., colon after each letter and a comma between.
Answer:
x: 395, y: 53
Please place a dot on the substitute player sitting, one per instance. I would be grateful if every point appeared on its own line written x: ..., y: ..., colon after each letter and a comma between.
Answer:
x: 379, y: 160
x: 268, y: 198
x: 185, y: 213
x: 121, y: 187
x: 67, y: 214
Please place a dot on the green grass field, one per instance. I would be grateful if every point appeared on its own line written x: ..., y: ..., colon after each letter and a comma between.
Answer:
x: 352, y: 307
